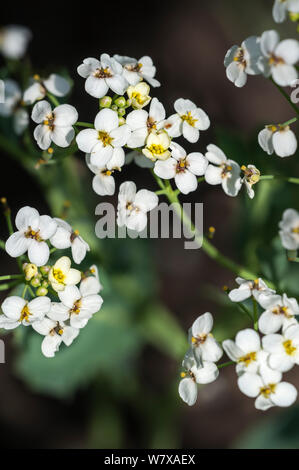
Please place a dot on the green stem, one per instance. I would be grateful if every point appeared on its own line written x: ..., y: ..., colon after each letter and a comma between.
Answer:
x: 290, y: 121
x: 225, y: 364
x: 8, y: 285
x: 158, y: 180
x: 52, y: 98
x: 84, y: 124
x: 24, y: 291
x: 11, y: 276
x: 282, y: 91
x: 245, y: 310
x: 2, y: 245
x: 279, y: 177
x: 30, y: 291
x: 255, y: 314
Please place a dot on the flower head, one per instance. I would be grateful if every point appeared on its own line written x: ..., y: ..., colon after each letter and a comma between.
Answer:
x: 279, y: 312
x: 283, y: 349
x: 54, y: 333
x: 282, y: 7
x: 245, y: 351
x: 66, y: 237
x: 62, y: 275
x: 139, y: 95
x: 143, y: 123
x: 289, y: 229
x: 136, y: 70
x: 251, y: 177
x: 54, y: 125
x: 242, y: 61
x: 247, y: 289
x: 17, y: 311
x: 222, y: 171
x: 203, y: 344
x: 14, y: 40
x: 37, y: 90
x: 157, y: 145
x: 279, y: 139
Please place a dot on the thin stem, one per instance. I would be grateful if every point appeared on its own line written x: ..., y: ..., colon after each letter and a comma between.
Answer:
x: 255, y: 314
x: 279, y: 177
x: 8, y: 285
x: 11, y: 276
x: 30, y: 291
x: 52, y: 98
x: 53, y: 250
x: 7, y: 215
x: 290, y: 121
x: 2, y: 245
x: 84, y: 124
x: 225, y: 364
x: 24, y: 291
x: 286, y: 96
x: 244, y: 310
x: 158, y: 180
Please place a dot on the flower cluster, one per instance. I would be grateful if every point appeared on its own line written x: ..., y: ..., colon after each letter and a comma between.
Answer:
x: 45, y: 281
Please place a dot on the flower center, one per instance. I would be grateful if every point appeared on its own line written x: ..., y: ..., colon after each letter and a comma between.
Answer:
x: 248, y: 358
x: 156, y: 149
x: 289, y: 348
x: 107, y: 172
x: 181, y: 166
x: 139, y: 98
x: 189, y: 119
x: 133, y: 67
x: 76, y: 307
x: 251, y: 175
x: 25, y: 313
x: 279, y: 310
x: 33, y: 234
x: 295, y: 230
x: 196, y: 340
x: 239, y: 57
x: 58, y: 330
x: 59, y: 276
x: 151, y: 124
x: 268, y: 390
x: 103, y: 73
x: 274, y: 60
x: 105, y: 138
x: 49, y: 121
x: 226, y: 169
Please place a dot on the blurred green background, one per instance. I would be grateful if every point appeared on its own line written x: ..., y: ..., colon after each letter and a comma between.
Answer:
x: 116, y: 386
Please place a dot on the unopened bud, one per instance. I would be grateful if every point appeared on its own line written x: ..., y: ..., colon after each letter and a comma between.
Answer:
x: 120, y: 102
x: 41, y: 291
x: 105, y: 102
x: 35, y: 282
x: 45, y: 270
x: 121, y: 111
x: 45, y: 284
x: 30, y: 271
x: 121, y: 121
x: 114, y: 107
x: 212, y: 231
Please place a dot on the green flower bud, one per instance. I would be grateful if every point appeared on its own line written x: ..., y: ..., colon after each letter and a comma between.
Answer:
x: 120, y: 102
x: 121, y: 121
x: 114, y: 107
x: 41, y: 291
x: 30, y: 271
x: 105, y: 102
x: 45, y: 270
x: 45, y: 284
x: 35, y: 282
x: 121, y: 112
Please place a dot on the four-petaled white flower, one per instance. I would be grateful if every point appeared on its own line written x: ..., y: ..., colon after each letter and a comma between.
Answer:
x: 203, y: 344
x: 282, y: 7
x: 133, y: 206
x: 105, y: 139
x: 54, y: 333
x: 91, y: 281
x: 17, y: 311
x: 247, y: 289
x: 245, y: 351
x: 33, y: 231
x: 251, y: 177
x: 142, y: 123
x: 37, y: 90
x: 157, y: 146
x: 278, y: 139
x: 182, y: 167
x: 279, y: 312
x: 283, y: 349
x: 66, y: 237
x: 194, y: 375
x: 76, y: 305
x: 188, y: 121
x: 139, y: 95
x: 268, y: 389
x: 279, y: 58
x: 243, y: 61
x: 222, y: 171
x: 103, y: 182
x: 289, y: 229
x: 54, y: 125
x: 101, y: 75
x: 136, y: 70
x: 62, y: 275
x: 13, y: 106
x: 14, y: 40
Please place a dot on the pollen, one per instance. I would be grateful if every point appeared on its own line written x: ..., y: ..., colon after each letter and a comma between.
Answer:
x: 295, y: 230
x: 243, y: 168
x: 59, y: 276
x: 50, y: 150
x: 141, y: 99
x: 105, y: 138
x: 268, y: 390
x: 248, y: 358
x: 36, y: 77
x: 76, y: 232
x: 289, y: 348
x: 25, y: 314
x: 189, y: 119
x: 156, y: 149
x: 183, y: 374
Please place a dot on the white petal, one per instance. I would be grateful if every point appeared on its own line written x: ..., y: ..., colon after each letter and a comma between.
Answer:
x: 186, y: 181
x: 146, y: 200
x: 61, y: 239
x: 250, y: 384
x: 44, y: 326
x: 284, y: 143
x: 269, y: 41
x: 16, y: 245
x: 69, y: 296
x: 213, y: 175
x: 280, y: 362
x: 69, y: 334
x: 288, y: 50
x: 40, y: 111
x: 137, y: 119
x: 65, y: 115
x: 59, y: 312
x: 43, y: 135
x: 38, y: 252
x: 63, y: 136
x: 263, y: 403
x: 39, y: 307
x: 265, y: 140
x: 89, y: 286
x: 165, y: 169
x: 103, y: 185
x: 34, y: 93
x: 79, y: 249
x: 27, y: 216
x: 137, y: 221
x: 197, y: 163
x: 236, y: 74
x: 188, y: 391
x: 73, y: 277
x: 248, y: 340
x: 279, y: 11
x: 285, y: 394
x: 87, y: 139
x: 57, y: 85
x: 96, y: 87
x: 47, y: 227
x: 106, y: 120
x: 157, y: 111
x: 50, y: 345
x: 89, y: 65
x: 242, y: 293
x: 202, y: 325
x: 211, y: 350
x: 12, y: 307
x: 118, y: 84
x: 117, y: 160
x: 21, y: 121
x: 206, y: 374
x: 91, y: 303
x: 232, y: 350
x: 269, y: 323
x: 215, y: 155
x: 284, y: 75
x: 190, y: 133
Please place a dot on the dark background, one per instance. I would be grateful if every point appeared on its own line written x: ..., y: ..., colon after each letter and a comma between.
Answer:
x: 187, y: 41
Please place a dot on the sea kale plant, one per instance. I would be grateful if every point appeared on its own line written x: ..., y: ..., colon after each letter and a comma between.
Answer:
x: 57, y: 299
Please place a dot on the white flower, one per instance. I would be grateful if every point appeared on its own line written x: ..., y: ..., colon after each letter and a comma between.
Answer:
x: 66, y: 237
x: 278, y: 139
x: 62, y: 275
x: 281, y: 7
x: 54, y: 125
x: 33, y: 231
x: 76, y: 306
x: 142, y: 123
x: 13, y: 106
x: 55, y: 84
x: 283, y: 349
x: 139, y: 95
x: 188, y: 121
x: 251, y: 177
x: 279, y: 58
x: 17, y: 311
x: 289, y: 229
x: 14, y: 40
x: 223, y: 171
x: 103, y: 182
x: 105, y: 139
x: 279, y: 312
x: 194, y: 375
x: 101, y: 75
x: 136, y: 70
x: 55, y: 333
x: 203, y: 344
x: 249, y: 288
x: 133, y: 206
x: 157, y: 145
x: 268, y: 389
x: 242, y: 61
x: 183, y: 168
x: 245, y: 351
x: 91, y: 281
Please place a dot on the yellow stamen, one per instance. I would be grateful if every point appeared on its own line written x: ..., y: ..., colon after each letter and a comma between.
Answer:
x: 268, y: 390
x: 105, y: 138
x: 25, y: 314
x: 289, y: 349
x: 189, y: 119
x: 59, y: 276
x: 248, y: 358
